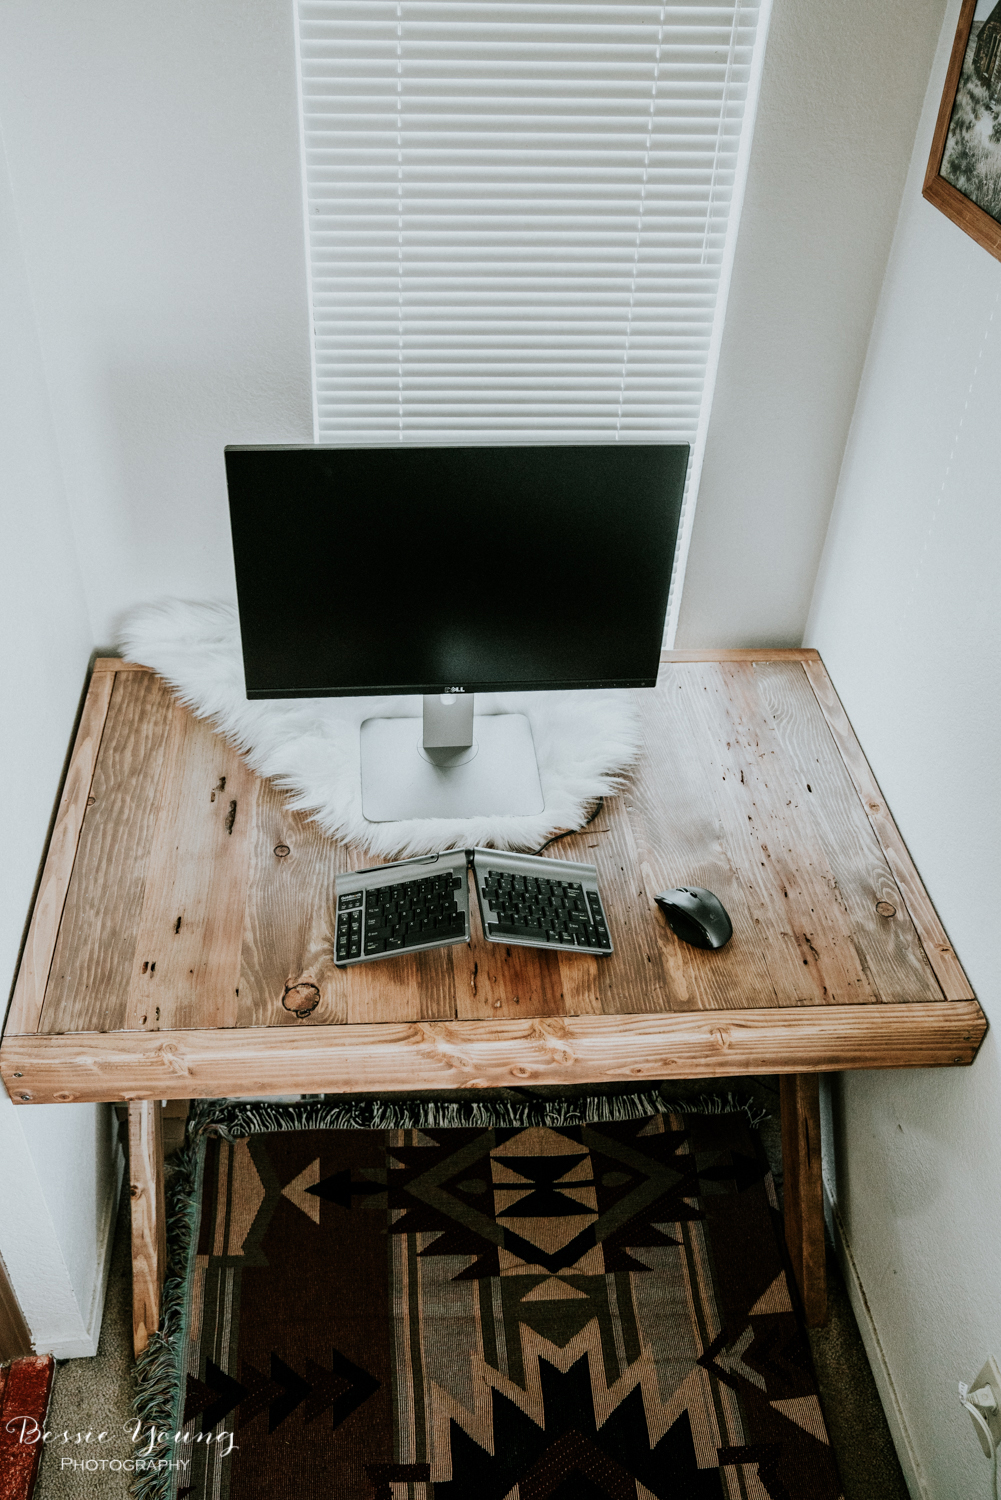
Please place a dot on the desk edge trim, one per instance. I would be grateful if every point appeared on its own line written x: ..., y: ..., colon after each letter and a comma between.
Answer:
x: 98, y: 1066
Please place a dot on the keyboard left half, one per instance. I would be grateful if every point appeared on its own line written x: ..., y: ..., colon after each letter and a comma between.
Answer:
x: 402, y: 908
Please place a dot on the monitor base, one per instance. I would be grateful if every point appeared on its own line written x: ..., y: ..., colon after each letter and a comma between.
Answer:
x: 499, y: 777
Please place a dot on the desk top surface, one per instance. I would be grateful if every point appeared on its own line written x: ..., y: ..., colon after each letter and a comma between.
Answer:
x: 182, y: 900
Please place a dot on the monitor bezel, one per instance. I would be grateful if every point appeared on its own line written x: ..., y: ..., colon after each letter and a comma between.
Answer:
x: 470, y: 686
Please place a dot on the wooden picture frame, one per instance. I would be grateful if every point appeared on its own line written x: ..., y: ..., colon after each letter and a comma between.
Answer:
x: 962, y: 209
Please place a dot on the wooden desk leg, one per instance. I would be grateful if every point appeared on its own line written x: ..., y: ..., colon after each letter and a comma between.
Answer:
x: 149, y: 1242
x: 804, y: 1201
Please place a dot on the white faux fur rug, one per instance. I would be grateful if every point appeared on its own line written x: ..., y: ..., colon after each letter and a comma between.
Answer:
x: 310, y: 746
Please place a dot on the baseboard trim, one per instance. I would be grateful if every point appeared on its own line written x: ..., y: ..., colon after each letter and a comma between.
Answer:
x: 875, y: 1353
x: 85, y: 1346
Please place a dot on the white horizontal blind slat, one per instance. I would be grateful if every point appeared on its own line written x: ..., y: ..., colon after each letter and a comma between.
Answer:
x: 518, y: 214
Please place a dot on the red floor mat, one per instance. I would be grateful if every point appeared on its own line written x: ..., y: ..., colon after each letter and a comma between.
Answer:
x: 24, y: 1397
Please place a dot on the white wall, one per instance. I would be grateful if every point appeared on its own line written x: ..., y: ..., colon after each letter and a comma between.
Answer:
x: 906, y: 616
x: 154, y: 156
x: 153, y: 309
x: 58, y: 1166
x: 155, y: 161
x: 841, y: 93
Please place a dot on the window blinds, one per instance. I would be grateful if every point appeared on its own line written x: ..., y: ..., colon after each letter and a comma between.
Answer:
x: 518, y: 214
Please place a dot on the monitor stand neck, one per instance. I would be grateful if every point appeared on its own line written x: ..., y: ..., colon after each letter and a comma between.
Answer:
x: 448, y: 728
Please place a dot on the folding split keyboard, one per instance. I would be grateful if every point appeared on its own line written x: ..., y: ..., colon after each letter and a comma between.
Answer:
x: 423, y: 903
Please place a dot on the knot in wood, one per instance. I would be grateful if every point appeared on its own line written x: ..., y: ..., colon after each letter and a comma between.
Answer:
x: 301, y: 999
x: 885, y: 909
x: 281, y: 850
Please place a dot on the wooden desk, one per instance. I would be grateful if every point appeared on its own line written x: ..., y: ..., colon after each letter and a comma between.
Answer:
x: 180, y: 944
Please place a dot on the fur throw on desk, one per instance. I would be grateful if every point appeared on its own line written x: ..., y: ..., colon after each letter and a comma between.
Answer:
x: 583, y: 740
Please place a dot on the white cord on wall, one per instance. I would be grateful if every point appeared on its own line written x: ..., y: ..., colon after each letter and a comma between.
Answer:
x: 976, y: 1403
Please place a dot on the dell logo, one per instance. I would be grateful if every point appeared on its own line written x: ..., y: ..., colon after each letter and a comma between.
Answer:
x: 457, y: 690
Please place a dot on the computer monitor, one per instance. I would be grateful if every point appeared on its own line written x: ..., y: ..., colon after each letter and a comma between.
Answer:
x: 445, y: 572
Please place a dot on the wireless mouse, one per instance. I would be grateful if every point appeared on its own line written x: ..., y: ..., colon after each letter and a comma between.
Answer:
x: 696, y: 916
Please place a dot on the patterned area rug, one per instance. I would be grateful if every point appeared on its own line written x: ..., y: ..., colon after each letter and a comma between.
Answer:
x: 541, y: 1313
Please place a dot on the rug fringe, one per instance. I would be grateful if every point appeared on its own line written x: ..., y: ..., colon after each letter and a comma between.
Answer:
x: 719, y: 1104
x: 233, y: 1121
x: 157, y: 1372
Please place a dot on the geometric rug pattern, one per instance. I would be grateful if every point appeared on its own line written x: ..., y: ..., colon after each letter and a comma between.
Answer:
x: 595, y: 1310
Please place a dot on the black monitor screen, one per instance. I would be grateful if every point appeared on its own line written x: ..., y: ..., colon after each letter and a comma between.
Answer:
x: 418, y: 570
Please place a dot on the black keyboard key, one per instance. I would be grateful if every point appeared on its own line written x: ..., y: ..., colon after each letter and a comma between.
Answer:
x: 527, y: 934
x: 445, y: 934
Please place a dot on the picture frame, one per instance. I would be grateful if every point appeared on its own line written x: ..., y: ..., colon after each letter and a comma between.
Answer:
x: 963, y: 179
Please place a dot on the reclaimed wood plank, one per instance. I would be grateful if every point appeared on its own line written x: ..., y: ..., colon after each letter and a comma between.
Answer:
x: 287, y: 972
x: 60, y: 858
x: 420, y: 986
x: 634, y: 979
x: 116, y: 664
x: 823, y: 803
x: 682, y: 840
x: 288, y: 976
x: 805, y: 933
x: 746, y: 653
x: 15, y: 1336
x: 149, y: 1238
x: 948, y: 969
x: 209, y: 1063
x: 495, y: 982
x: 91, y: 969
x: 185, y: 969
x: 803, y: 1190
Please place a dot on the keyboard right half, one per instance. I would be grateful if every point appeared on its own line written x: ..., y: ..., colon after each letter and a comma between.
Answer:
x: 541, y: 903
